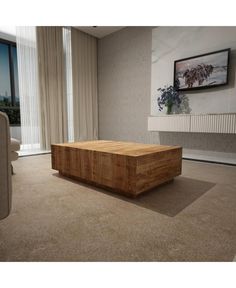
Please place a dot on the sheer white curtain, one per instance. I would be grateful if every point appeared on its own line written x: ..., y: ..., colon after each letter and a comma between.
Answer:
x: 58, y: 86
x: 68, y: 77
x: 28, y: 87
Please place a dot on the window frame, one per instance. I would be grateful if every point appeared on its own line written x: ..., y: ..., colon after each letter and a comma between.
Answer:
x: 13, y: 106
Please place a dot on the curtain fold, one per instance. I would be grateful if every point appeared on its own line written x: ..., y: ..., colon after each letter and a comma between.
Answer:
x: 84, y: 75
x: 58, y: 86
x: 68, y: 77
x: 52, y: 88
x: 27, y: 59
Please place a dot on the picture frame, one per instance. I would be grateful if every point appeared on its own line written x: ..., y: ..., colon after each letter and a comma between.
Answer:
x: 202, y: 71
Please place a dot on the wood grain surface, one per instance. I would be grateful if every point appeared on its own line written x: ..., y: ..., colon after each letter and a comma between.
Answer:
x: 128, y: 168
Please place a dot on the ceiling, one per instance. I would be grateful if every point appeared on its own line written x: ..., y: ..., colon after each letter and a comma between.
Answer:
x: 8, y: 33
x: 99, y: 31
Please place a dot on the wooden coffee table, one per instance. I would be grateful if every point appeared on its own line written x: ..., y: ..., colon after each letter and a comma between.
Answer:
x: 128, y: 168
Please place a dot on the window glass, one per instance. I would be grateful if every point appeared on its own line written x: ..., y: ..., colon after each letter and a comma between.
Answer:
x: 5, y: 84
x: 15, y: 71
x: 9, y: 85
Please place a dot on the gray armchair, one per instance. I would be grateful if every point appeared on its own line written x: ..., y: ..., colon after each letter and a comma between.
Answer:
x: 5, y: 167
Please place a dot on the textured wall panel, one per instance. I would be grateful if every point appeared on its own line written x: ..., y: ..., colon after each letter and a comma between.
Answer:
x: 124, y: 84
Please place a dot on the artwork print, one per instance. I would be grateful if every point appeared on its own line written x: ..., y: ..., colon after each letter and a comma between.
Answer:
x: 203, y: 71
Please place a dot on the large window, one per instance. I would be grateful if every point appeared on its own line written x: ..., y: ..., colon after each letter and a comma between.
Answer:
x: 9, y: 85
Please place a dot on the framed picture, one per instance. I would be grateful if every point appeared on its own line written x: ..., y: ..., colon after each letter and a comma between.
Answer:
x: 202, y: 71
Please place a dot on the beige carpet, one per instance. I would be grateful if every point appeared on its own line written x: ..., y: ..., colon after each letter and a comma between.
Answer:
x: 55, y: 219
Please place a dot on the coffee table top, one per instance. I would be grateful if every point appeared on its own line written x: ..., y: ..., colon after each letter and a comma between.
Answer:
x: 118, y: 147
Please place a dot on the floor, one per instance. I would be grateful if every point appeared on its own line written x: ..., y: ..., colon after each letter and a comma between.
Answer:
x: 53, y: 218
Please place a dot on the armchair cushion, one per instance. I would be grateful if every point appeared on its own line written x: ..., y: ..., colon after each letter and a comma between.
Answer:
x: 15, y: 144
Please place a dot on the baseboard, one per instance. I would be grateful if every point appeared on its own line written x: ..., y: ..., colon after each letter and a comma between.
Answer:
x: 25, y: 154
x: 210, y: 156
x: 208, y: 161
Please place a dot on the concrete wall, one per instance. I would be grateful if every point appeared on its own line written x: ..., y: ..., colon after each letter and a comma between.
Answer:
x: 124, y: 90
x: 124, y: 84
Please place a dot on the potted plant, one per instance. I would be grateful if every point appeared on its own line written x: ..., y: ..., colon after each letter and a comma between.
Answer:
x: 169, y: 96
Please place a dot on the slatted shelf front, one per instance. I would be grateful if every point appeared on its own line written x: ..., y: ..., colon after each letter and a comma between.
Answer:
x: 202, y: 123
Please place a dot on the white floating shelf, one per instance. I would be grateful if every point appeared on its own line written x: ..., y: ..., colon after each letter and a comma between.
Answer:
x: 202, y: 123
